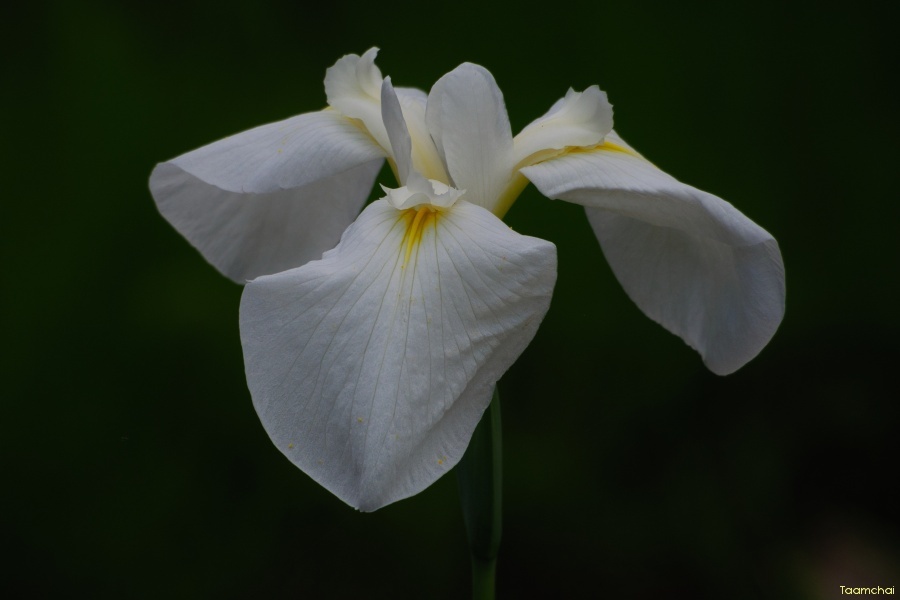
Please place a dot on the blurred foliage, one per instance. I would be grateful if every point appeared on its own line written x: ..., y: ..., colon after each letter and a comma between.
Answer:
x: 135, y: 466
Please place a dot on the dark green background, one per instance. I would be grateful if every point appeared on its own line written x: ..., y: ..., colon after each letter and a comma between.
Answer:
x: 134, y: 465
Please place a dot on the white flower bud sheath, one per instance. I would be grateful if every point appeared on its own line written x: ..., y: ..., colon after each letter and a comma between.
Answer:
x: 370, y: 362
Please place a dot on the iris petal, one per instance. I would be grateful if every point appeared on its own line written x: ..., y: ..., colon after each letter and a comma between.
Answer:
x: 579, y: 119
x: 467, y: 119
x: 688, y: 259
x: 370, y: 368
x: 271, y: 198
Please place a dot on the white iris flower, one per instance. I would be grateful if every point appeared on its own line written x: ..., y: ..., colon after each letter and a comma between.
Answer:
x: 373, y: 341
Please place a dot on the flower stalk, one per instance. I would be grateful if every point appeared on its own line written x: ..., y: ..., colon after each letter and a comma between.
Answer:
x: 480, y: 478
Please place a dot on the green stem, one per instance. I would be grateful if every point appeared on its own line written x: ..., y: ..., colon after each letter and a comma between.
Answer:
x: 480, y: 474
x: 484, y: 575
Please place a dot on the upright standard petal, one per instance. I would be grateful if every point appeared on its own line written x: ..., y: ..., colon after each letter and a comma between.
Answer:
x: 271, y: 198
x: 425, y: 156
x: 689, y: 260
x: 415, y: 188
x: 370, y: 368
x: 468, y: 121
x: 397, y: 131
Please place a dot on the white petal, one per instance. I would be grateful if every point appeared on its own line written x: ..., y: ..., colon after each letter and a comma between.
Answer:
x: 416, y: 188
x: 467, y: 119
x: 398, y: 134
x: 353, y: 86
x: 689, y: 260
x: 370, y: 375
x: 579, y: 119
x: 617, y: 140
x: 270, y: 198
x: 424, y: 192
x: 425, y: 156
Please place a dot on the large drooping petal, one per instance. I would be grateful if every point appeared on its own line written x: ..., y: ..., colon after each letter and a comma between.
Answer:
x: 271, y: 198
x: 689, y: 260
x: 467, y: 119
x: 371, y: 367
